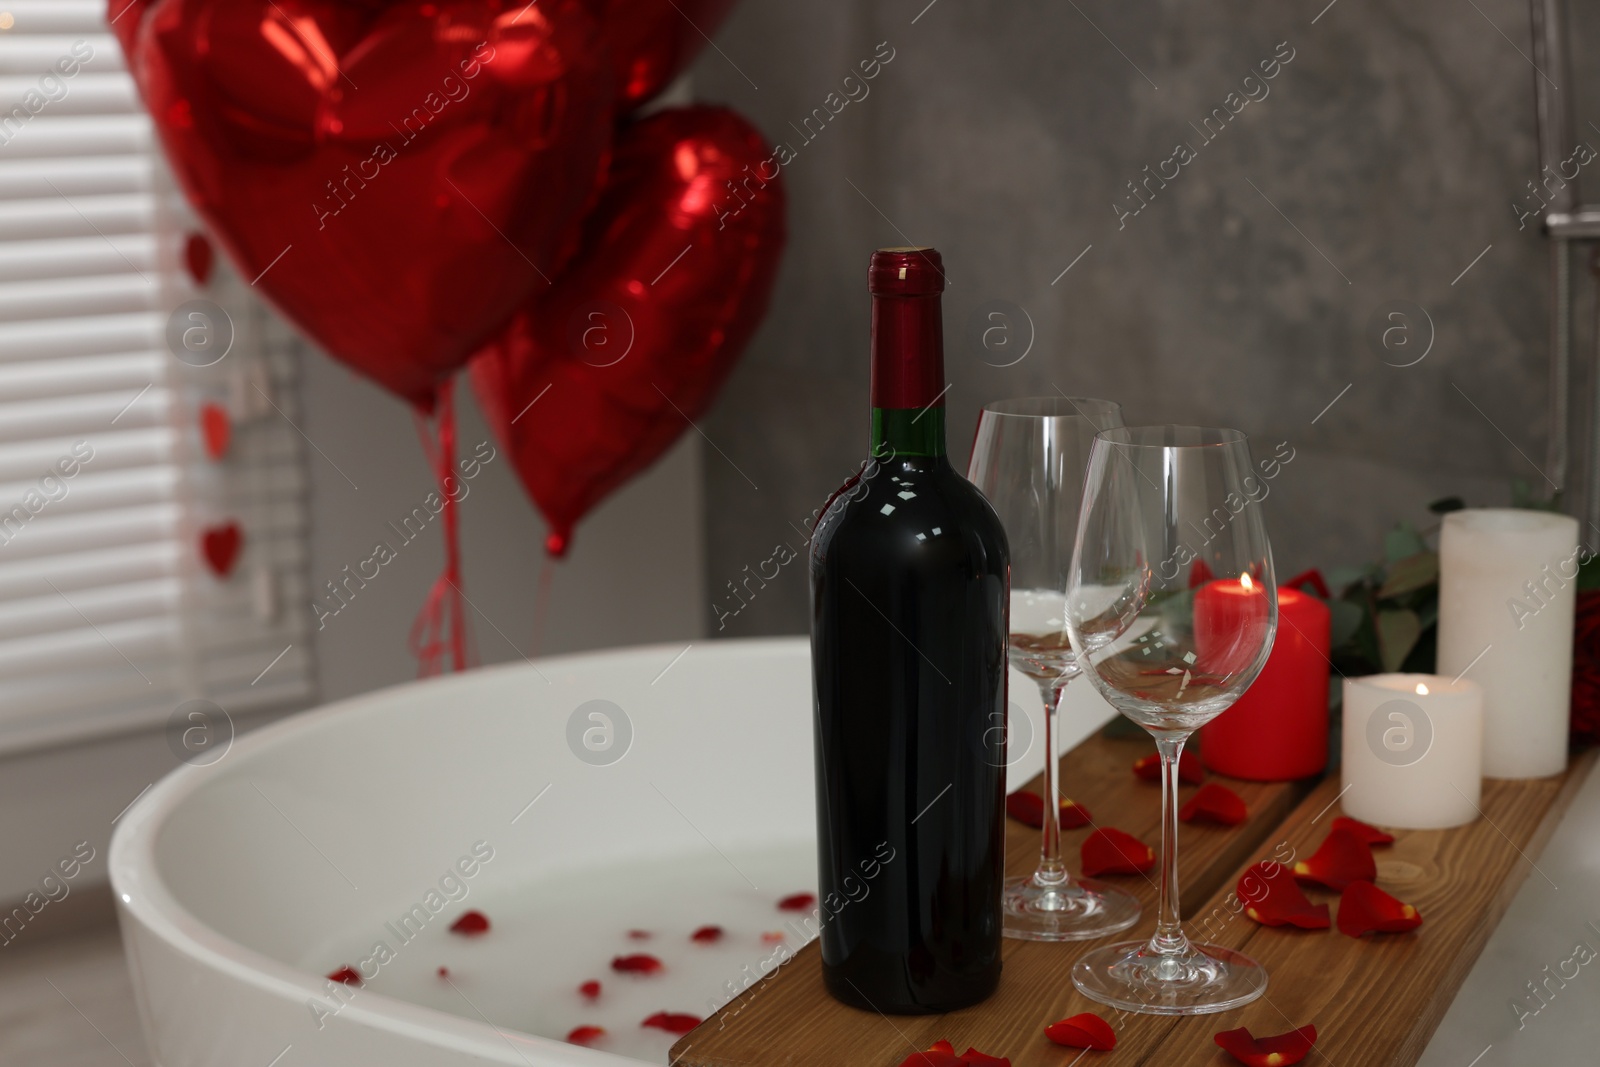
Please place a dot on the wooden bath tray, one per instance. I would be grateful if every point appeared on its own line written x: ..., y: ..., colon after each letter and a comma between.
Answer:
x: 1375, y: 1002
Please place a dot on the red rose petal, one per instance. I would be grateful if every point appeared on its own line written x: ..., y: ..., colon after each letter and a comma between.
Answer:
x: 1214, y: 802
x: 590, y: 989
x: 1028, y: 809
x: 1279, y: 1050
x: 1370, y: 835
x: 471, y: 924
x: 707, y: 934
x: 1342, y: 858
x: 973, y: 1058
x: 1025, y: 807
x: 638, y: 963
x: 1111, y: 851
x: 1074, y: 815
x: 347, y: 975
x: 934, y: 1057
x: 1365, y: 909
x: 444, y: 972
x: 942, y: 1045
x: 672, y: 1022
x: 638, y: 935
x: 585, y: 1035
x: 1083, y: 1031
x: 1272, y: 898
x: 199, y: 257
x: 1190, y: 769
x: 798, y: 902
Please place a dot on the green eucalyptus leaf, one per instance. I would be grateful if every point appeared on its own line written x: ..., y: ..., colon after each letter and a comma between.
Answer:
x: 1340, y: 578
x: 1398, y: 631
x: 1589, y: 574
x: 1410, y: 574
x: 1347, y: 618
x: 1401, y: 542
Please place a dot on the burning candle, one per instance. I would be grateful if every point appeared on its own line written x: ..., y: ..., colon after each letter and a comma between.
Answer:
x: 1278, y: 730
x: 1507, y: 591
x: 1413, y: 750
x: 1230, y: 615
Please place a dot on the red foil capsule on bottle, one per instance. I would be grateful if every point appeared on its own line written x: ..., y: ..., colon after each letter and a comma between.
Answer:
x: 906, y: 328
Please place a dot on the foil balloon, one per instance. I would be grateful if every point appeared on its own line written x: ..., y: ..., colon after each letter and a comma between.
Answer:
x: 396, y: 175
x: 597, y: 375
x: 652, y: 41
x: 124, y: 16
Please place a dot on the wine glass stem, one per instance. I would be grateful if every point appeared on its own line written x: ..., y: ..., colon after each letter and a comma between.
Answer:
x: 1051, y: 871
x: 1169, y: 939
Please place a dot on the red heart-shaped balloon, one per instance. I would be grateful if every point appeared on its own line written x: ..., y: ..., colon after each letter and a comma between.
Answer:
x: 634, y: 340
x: 124, y: 17
x: 216, y: 429
x: 397, y: 176
x: 652, y: 41
x: 220, y: 545
x: 198, y: 258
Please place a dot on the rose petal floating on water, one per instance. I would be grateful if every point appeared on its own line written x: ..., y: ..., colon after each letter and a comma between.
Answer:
x: 585, y: 1035
x: 471, y: 924
x: 672, y: 1022
x: 637, y: 963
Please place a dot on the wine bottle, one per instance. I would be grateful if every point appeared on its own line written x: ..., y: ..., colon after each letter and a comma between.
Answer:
x: 909, y: 581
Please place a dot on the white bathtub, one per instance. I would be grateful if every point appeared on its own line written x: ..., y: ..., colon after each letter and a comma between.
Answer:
x: 242, y: 883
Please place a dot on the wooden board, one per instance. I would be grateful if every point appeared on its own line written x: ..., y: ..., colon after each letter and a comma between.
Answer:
x: 1375, y: 1001
x: 789, y: 1018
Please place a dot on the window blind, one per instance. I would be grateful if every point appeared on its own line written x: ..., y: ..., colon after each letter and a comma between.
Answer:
x: 110, y: 616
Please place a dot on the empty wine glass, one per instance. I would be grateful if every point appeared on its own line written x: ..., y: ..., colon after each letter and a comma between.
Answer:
x: 1172, y: 607
x: 1028, y: 458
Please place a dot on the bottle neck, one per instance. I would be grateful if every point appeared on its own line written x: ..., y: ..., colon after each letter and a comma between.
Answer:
x: 908, y: 383
x: 907, y: 432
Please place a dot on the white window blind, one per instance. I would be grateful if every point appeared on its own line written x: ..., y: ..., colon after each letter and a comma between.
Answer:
x: 110, y: 616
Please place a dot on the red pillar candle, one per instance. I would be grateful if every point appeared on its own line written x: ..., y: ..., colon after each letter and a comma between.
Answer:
x: 1278, y: 730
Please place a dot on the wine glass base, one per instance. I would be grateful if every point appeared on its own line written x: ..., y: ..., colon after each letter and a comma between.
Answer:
x: 1075, y: 912
x: 1129, y: 976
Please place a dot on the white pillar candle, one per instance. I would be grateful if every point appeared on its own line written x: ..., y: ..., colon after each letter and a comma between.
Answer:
x: 1507, y: 590
x: 1413, y: 750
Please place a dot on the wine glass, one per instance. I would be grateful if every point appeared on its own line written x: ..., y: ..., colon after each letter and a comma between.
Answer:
x: 1172, y: 607
x: 1028, y: 458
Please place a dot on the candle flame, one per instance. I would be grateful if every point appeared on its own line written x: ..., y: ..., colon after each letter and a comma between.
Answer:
x: 1244, y: 580
x: 1422, y: 690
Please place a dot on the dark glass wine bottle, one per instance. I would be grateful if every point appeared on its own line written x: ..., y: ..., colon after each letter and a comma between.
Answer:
x: 909, y: 592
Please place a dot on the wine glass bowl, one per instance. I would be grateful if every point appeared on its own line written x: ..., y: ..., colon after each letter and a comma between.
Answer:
x: 1172, y: 607
x: 1028, y: 458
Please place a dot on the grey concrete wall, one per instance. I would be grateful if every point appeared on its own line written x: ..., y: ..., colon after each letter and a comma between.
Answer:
x: 1376, y: 166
